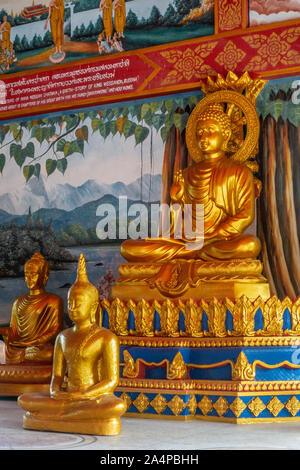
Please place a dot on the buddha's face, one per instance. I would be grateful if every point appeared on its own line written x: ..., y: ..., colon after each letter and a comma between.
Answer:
x: 34, y: 277
x: 80, y: 306
x: 211, y: 137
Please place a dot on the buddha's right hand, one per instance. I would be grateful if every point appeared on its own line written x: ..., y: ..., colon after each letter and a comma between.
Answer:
x: 177, y: 187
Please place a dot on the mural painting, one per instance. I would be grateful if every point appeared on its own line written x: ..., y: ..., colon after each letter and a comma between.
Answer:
x: 38, y: 35
x: 273, y: 11
x: 57, y: 170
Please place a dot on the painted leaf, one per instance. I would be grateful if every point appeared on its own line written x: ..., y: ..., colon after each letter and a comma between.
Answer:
x: 29, y: 150
x: 37, y: 170
x: 28, y: 172
x: 140, y: 133
x: 163, y: 133
x: 2, y: 162
x: 83, y: 133
x: 128, y: 129
x: 50, y: 166
x: 61, y: 145
x: 158, y: 120
x: 120, y: 123
x: 62, y: 164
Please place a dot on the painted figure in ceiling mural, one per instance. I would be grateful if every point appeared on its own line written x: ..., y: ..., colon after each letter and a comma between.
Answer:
x: 106, y: 8
x: 56, y: 18
x: 120, y: 17
x: 7, y: 50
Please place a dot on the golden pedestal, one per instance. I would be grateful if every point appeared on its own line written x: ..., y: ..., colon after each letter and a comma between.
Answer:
x: 103, y: 427
x: 191, y: 279
x: 16, y: 379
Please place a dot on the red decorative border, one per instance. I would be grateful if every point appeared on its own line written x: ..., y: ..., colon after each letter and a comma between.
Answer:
x: 266, y: 51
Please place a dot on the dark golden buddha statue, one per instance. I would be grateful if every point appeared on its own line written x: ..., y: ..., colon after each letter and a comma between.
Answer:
x: 85, y: 373
x: 36, y: 320
x: 220, y: 258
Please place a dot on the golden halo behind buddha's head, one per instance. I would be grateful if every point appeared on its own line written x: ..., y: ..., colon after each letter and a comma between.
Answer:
x: 213, y: 107
x: 82, y: 283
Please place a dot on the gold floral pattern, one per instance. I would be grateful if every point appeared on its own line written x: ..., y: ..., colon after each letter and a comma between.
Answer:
x: 205, y: 405
x: 176, y: 405
x: 230, y: 14
x: 221, y: 406
x: 141, y: 402
x: 274, y: 49
x: 231, y: 56
x: 275, y: 406
x: 256, y: 406
x: 293, y: 406
x: 188, y: 63
x: 237, y: 407
x: 159, y: 403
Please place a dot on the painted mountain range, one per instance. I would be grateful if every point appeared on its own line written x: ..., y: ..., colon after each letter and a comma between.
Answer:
x: 35, y: 194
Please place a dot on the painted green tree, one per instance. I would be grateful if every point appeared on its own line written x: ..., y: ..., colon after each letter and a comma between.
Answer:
x: 52, y: 141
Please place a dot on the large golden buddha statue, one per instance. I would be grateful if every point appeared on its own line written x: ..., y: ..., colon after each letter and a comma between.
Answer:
x: 85, y: 373
x: 220, y: 258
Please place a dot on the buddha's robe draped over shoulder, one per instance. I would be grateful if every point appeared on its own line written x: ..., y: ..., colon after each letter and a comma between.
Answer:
x: 57, y: 23
x: 6, y: 36
x: 35, y: 321
x: 107, y: 18
x: 120, y: 16
x: 226, y: 191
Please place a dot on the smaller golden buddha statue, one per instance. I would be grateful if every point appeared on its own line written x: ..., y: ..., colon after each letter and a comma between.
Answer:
x: 36, y: 319
x: 219, y: 260
x: 85, y: 373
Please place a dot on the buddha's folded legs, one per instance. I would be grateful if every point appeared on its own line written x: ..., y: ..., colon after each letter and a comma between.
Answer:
x: 105, y: 407
x: 160, y: 249
x: 155, y: 249
x: 241, y: 247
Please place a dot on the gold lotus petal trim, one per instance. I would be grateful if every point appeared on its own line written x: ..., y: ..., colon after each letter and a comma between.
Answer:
x: 243, y: 312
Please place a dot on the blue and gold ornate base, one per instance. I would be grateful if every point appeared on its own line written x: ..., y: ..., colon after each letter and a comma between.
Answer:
x: 223, y: 361
x: 233, y: 380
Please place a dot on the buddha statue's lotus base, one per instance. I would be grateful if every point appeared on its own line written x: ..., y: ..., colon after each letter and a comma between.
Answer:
x: 191, y: 279
x: 104, y: 427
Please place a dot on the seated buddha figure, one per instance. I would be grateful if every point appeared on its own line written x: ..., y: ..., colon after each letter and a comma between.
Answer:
x: 214, y: 257
x: 226, y: 191
x: 36, y: 319
x: 85, y: 373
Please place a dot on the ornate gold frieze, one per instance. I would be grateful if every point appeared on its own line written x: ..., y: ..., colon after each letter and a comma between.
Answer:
x: 243, y: 312
x: 211, y: 386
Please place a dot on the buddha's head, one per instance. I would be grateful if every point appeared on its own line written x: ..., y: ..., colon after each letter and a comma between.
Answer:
x: 83, y: 297
x: 213, y: 131
x: 36, y: 272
